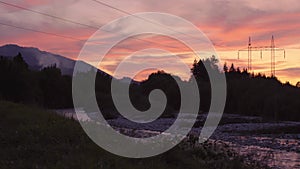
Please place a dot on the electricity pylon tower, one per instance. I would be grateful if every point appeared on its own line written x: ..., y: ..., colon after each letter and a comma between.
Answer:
x: 271, y: 48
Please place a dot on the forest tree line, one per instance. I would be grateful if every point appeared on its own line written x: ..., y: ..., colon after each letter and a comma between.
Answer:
x: 247, y: 94
x: 254, y: 94
x: 47, y: 87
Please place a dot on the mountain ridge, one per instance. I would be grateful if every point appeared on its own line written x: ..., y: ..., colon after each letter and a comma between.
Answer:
x: 38, y: 59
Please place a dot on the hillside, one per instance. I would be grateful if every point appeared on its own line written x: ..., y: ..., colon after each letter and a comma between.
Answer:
x: 38, y: 59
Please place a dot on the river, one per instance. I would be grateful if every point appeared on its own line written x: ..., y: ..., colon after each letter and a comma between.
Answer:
x: 276, y: 144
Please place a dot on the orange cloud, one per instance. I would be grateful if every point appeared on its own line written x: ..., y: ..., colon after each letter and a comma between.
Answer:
x: 228, y: 24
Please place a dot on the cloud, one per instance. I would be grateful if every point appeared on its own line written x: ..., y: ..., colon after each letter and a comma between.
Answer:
x: 227, y: 23
x: 293, y: 71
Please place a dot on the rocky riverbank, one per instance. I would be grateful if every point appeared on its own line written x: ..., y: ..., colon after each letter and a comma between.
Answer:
x: 275, y: 143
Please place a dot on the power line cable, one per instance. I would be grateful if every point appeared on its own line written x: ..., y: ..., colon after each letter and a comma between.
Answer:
x: 39, y: 31
x: 139, y: 17
x: 48, y: 15
x: 69, y: 21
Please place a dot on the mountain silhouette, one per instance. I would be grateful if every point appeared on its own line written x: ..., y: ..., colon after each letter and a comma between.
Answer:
x: 37, y: 59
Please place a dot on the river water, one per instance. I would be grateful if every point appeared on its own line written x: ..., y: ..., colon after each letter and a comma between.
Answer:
x: 250, y: 137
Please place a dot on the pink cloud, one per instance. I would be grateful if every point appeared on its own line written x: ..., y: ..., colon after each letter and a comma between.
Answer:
x: 227, y: 23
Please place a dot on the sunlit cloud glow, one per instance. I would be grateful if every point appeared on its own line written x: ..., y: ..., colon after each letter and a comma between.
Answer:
x: 228, y: 24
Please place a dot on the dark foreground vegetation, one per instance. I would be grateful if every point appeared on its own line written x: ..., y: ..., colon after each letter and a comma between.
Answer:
x: 47, y: 87
x: 247, y: 94
x: 31, y: 137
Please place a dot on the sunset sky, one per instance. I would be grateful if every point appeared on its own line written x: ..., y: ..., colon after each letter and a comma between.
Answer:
x: 228, y: 24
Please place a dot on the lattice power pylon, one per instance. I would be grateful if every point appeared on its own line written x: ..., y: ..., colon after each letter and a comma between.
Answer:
x: 271, y: 48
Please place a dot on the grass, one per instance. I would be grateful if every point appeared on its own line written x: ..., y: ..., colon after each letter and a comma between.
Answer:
x: 31, y: 137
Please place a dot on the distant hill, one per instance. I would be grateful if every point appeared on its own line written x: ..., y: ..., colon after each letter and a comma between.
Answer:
x: 37, y: 59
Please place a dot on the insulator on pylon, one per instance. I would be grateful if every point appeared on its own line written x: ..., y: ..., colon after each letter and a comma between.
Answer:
x: 260, y: 54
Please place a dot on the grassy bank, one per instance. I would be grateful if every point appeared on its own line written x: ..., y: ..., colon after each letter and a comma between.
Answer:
x: 34, y: 138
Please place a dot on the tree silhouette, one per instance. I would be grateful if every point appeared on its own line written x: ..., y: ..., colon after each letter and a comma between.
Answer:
x: 232, y: 68
x: 225, y: 67
x: 298, y: 84
x: 247, y: 94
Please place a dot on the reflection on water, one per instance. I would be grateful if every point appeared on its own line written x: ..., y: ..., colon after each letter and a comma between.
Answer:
x: 277, y: 151
x: 275, y: 157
